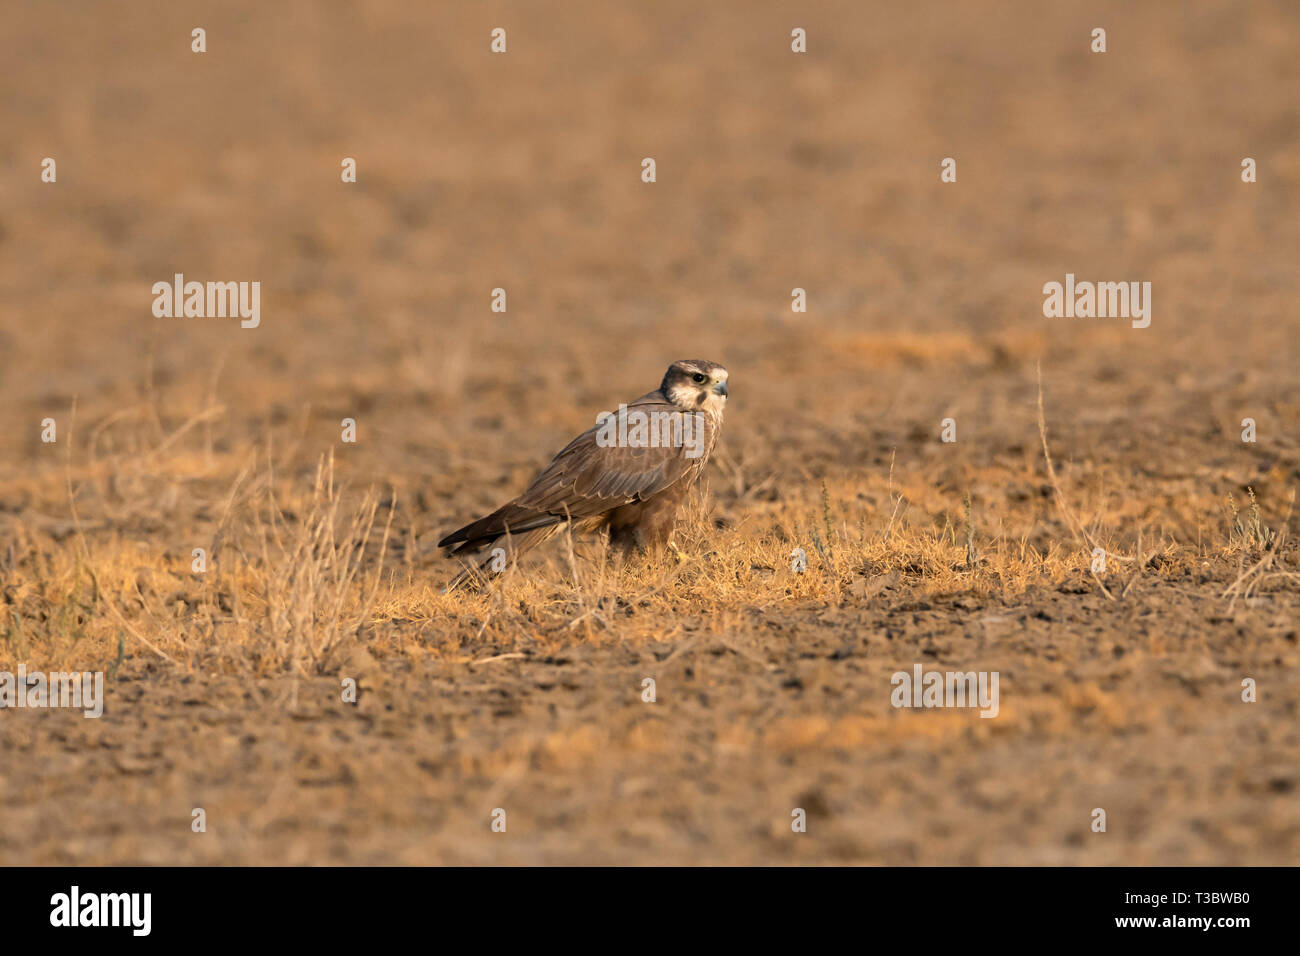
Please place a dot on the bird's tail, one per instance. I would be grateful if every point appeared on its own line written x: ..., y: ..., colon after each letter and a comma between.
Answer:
x: 486, y: 557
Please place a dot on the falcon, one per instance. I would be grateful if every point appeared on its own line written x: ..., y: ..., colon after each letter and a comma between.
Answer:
x: 628, y: 475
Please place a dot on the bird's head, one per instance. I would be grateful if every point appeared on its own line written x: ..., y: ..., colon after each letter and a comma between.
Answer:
x: 696, y: 385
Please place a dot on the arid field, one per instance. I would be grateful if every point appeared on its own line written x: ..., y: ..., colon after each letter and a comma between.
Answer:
x: 1121, y: 688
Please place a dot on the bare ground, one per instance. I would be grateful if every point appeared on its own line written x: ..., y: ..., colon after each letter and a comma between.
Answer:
x: 1119, y: 690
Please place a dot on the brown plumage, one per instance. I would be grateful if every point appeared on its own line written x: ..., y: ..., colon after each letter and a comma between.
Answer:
x: 612, y: 475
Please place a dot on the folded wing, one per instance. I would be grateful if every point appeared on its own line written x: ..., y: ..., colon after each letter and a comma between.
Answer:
x: 588, y: 479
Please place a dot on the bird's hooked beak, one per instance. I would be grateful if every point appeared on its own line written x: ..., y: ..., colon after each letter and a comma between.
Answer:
x: 721, y: 389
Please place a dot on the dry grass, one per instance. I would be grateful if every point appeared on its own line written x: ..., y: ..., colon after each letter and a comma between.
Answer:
x: 1121, y: 686
x: 302, y: 569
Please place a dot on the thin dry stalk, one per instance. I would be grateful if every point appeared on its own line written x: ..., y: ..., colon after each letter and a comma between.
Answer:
x: 1080, y: 533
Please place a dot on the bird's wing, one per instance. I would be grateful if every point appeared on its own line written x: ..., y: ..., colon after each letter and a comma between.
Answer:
x: 589, y: 478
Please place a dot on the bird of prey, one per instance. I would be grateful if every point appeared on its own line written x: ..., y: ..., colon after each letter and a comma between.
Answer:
x: 628, y: 474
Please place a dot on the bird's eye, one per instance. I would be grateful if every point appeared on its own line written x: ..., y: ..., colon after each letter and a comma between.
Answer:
x: 699, y: 379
